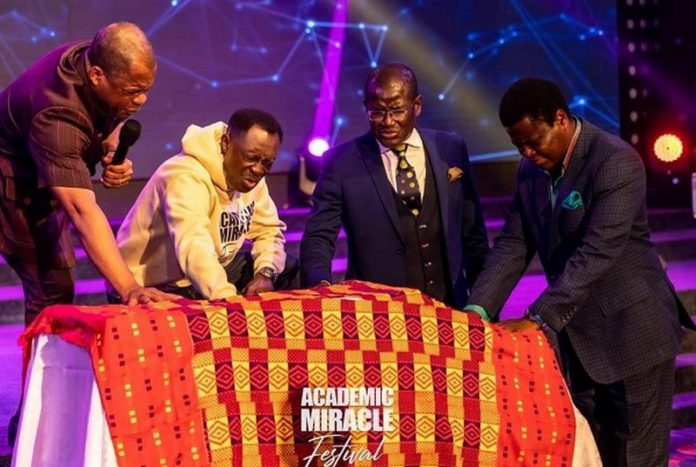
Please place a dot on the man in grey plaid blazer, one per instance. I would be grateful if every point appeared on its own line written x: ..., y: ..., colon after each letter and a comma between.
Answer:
x: 580, y: 204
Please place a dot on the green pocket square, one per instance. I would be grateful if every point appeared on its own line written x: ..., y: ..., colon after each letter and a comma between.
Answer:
x: 572, y: 201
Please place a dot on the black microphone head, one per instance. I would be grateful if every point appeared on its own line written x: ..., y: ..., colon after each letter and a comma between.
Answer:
x: 130, y: 132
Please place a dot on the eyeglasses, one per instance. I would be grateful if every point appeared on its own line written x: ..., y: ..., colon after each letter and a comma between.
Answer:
x: 394, y: 114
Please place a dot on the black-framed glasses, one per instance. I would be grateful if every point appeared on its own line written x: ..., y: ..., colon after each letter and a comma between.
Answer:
x: 394, y: 114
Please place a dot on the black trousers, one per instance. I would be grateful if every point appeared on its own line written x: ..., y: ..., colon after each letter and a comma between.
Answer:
x: 240, y: 272
x: 630, y: 418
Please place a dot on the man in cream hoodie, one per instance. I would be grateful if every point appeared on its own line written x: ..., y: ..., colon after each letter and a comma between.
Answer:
x: 185, y: 230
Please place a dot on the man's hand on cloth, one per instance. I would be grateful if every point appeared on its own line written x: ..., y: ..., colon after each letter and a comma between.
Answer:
x: 519, y: 325
x: 142, y: 295
x: 258, y: 284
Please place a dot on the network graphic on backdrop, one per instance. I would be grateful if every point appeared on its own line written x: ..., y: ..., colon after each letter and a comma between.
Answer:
x: 216, y: 55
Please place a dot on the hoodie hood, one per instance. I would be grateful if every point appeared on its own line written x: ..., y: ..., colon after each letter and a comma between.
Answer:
x: 203, y: 144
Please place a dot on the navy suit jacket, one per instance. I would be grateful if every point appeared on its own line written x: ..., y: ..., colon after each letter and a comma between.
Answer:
x: 353, y: 191
x: 607, y: 288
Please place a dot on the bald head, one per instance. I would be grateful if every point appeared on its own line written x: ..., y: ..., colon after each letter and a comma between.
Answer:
x: 121, y: 68
x: 116, y: 48
x: 383, y: 76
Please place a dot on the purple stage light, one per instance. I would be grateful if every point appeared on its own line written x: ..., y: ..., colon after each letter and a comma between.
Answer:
x: 319, y: 137
x: 317, y: 146
x: 329, y: 82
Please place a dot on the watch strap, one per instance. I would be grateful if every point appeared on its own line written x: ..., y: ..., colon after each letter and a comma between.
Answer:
x: 268, y: 272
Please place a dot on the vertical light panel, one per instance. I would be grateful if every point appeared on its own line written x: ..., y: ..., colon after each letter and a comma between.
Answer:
x: 323, y: 115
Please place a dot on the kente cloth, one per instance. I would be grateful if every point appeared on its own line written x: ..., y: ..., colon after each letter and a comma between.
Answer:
x: 141, y: 357
x: 465, y: 392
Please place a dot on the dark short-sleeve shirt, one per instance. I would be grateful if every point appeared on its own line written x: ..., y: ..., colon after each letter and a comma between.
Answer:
x: 51, y: 130
x: 51, y: 123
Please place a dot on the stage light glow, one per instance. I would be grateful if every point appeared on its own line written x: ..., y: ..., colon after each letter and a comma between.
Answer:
x: 317, y: 146
x: 668, y: 147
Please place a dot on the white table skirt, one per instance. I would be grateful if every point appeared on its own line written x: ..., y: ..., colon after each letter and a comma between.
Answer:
x: 63, y: 422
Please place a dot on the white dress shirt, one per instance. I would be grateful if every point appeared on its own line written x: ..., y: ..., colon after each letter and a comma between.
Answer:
x: 415, y: 155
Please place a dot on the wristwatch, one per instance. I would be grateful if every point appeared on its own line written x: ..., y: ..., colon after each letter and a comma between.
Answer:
x: 268, y: 273
x: 536, y: 319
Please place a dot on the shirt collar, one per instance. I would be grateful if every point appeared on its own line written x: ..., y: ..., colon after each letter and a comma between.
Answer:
x: 414, y: 139
x: 571, y: 148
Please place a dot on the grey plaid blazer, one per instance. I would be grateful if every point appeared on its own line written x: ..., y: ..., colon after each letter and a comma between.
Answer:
x: 607, y: 288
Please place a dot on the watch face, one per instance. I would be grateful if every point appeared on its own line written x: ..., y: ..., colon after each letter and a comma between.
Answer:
x: 267, y: 273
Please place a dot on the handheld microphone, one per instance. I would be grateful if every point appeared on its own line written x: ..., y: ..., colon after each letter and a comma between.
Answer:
x: 130, y: 132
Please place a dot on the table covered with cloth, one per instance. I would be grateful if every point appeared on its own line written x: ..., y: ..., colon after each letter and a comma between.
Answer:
x: 226, y: 383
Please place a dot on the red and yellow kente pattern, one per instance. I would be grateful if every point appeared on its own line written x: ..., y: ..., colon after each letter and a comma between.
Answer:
x: 226, y: 390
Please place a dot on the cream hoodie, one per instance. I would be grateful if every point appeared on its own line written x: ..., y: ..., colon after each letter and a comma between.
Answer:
x: 186, y: 225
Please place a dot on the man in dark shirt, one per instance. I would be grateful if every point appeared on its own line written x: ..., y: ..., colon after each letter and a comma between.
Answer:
x: 55, y: 125
x: 57, y: 121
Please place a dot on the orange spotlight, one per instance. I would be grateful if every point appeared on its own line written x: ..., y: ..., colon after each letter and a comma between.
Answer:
x: 668, y: 147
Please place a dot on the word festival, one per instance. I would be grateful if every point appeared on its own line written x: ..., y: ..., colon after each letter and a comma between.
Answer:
x: 330, y: 410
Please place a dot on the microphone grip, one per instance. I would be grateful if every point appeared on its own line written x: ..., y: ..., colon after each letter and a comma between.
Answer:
x: 129, y: 134
x: 120, y: 154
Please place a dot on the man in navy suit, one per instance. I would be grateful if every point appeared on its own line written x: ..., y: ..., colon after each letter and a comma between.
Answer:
x: 405, y: 197
x: 580, y: 204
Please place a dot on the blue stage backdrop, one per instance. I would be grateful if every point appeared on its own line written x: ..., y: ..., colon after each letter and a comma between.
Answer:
x: 218, y: 55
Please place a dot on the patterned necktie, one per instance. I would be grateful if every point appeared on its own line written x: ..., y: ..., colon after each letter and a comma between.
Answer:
x: 406, y: 182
